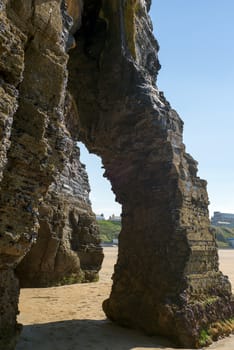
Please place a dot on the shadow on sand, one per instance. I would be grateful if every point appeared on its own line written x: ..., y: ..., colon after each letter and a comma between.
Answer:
x: 86, y: 334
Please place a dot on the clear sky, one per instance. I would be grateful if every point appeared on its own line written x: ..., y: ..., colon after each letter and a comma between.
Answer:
x: 196, y: 41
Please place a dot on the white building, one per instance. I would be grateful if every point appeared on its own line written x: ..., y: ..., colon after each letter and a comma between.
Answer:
x: 100, y: 217
x: 115, y: 218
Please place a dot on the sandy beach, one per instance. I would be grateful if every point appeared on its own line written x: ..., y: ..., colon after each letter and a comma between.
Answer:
x: 71, y: 317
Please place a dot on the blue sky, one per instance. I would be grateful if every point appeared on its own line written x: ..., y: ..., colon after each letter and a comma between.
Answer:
x: 197, y: 77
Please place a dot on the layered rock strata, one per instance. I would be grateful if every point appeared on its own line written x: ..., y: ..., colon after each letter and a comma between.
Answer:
x: 35, y: 146
x: 167, y: 279
x: 67, y: 249
x: 32, y: 89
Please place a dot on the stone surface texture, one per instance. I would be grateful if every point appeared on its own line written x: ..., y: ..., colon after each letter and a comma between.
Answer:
x: 36, y: 149
x: 167, y: 279
x: 67, y: 249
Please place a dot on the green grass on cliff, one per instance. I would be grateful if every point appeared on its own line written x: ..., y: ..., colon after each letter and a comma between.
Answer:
x: 222, y: 234
x: 109, y: 230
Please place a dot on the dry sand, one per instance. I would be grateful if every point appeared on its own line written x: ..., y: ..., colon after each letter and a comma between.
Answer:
x: 71, y: 317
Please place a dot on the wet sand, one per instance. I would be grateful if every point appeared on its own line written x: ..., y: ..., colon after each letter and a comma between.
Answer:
x: 71, y: 317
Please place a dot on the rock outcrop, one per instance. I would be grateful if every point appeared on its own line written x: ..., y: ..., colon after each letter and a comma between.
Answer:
x: 32, y: 92
x: 35, y: 147
x: 67, y: 249
x: 167, y: 280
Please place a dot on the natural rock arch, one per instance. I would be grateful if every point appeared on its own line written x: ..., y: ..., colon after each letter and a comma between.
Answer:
x: 166, y: 280
x: 167, y: 268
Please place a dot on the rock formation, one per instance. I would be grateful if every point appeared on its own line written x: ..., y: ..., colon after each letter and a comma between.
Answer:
x: 35, y: 148
x: 67, y: 248
x: 33, y: 84
x: 167, y: 279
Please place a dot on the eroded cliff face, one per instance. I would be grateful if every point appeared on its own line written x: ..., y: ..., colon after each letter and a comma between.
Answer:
x: 33, y: 82
x: 166, y: 280
x: 67, y: 249
x: 36, y: 151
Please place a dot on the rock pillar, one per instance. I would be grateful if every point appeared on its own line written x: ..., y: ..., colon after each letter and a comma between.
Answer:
x: 167, y: 279
x: 67, y: 249
x: 33, y: 78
